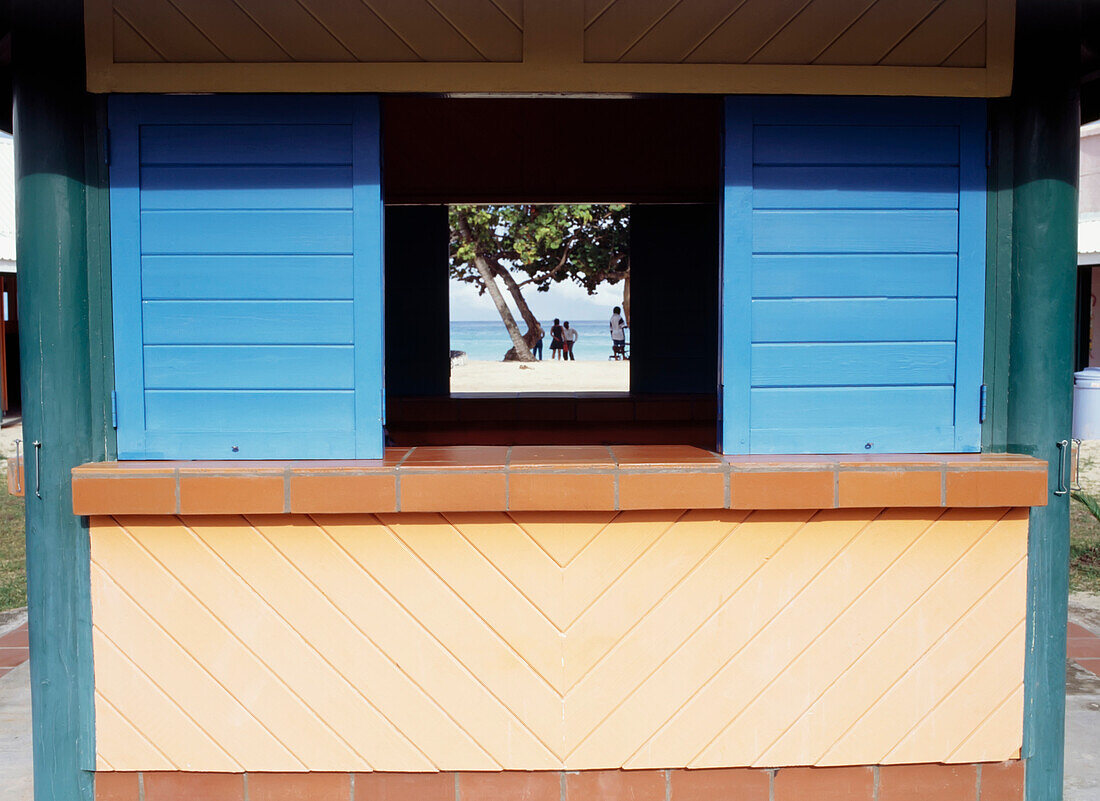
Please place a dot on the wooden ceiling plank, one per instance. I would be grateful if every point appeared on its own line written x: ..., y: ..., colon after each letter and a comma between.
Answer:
x: 594, y: 8
x: 513, y: 9
x: 130, y: 46
x: 680, y: 31
x: 873, y: 35
x: 620, y: 26
x: 812, y: 31
x: 231, y: 30
x: 971, y: 53
x: 937, y: 37
x: 296, y: 30
x: 746, y: 31
x: 362, y: 31
x: 485, y: 27
x: 424, y: 30
x: 168, y: 31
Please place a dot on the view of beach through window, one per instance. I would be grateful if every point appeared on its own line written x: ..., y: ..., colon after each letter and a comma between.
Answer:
x: 540, y: 299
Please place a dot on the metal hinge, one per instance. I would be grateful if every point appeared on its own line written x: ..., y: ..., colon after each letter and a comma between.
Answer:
x: 114, y: 409
x: 981, y: 404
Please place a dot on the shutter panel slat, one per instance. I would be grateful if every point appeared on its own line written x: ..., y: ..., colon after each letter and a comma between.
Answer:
x: 854, y: 246
x: 246, y: 262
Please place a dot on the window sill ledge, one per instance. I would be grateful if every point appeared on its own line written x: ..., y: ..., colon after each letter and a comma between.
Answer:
x: 546, y: 478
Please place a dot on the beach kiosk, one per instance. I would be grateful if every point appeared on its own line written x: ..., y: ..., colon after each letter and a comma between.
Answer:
x: 820, y: 554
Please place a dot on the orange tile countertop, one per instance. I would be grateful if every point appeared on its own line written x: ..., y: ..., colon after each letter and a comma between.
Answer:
x: 546, y: 478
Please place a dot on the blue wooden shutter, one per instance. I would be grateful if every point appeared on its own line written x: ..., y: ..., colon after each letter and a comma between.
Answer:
x: 853, y: 275
x: 246, y: 258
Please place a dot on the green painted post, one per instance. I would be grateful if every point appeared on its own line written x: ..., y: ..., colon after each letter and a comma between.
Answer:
x: 51, y: 112
x: 1044, y: 230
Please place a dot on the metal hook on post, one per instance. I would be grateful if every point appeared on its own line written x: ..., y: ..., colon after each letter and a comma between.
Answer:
x: 37, y: 470
x: 1063, y: 453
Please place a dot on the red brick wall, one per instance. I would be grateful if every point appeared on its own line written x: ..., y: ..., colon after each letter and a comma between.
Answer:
x: 981, y: 782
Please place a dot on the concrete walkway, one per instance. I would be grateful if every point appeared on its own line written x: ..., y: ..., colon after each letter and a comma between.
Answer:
x: 15, y: 709
x: 1083, y: 699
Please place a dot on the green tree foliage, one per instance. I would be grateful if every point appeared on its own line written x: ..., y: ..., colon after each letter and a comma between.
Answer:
x: 542, y: 244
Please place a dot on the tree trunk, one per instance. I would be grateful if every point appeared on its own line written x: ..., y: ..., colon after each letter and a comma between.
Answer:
x: 521, y: 351
x: 534, y: 327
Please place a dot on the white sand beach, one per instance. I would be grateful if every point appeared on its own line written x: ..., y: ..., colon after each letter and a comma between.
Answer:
x: 544, y: 376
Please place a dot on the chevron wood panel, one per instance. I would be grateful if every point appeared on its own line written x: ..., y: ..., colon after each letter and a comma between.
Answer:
x: 487, y: 641
x: 851, y: 32
x: 263, y: 31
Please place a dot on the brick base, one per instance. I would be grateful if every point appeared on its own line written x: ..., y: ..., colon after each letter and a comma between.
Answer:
x: 979, y: 782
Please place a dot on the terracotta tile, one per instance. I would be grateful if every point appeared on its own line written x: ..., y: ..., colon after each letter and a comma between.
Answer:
x: 13, y: 657
x: 19, y: 638
x: 178, y: 786
x: 924, y: 782
x: 996, y: 488
x: 560, y: 456
x: 452, y: 492
x: 1091, y: 665
x: 468, y: 457
x: 721, y: 784
x: 124, y: 495
x: 915, y: 459
x: 1002, y: 781
x: 825, y: 784
x: 404, y: 787
x: 615, y: 785
x: 783, y: 461
x: 299, y: 787
x: 5, y: 671
x: 672, y: 490
x: 862, y: 488
x: 663, y: 455
x: 1072, y: 630
x: 110, y: 786
x: 206, y: 494
x: 510, y: 785
x: 1083, y: 647
x: 342, y: 493
x: 810, y: 489
x: 550, y: 491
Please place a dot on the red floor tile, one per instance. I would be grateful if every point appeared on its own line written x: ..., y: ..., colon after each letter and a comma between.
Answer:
x: 1083, y: 647
x: 1091, y: 665
x: 1077, y: 630
x: 15, y: 639
x: 12, y: 657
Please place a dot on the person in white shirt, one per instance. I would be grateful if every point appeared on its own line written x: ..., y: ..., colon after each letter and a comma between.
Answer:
x: 618, y: 334
x: 571, y: 337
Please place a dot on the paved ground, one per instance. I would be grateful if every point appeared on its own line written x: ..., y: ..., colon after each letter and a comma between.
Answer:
x: 1083, y: 699
x: 15, y: 713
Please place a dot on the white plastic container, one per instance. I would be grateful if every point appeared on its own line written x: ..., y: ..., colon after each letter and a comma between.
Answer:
x: 1086, y: 403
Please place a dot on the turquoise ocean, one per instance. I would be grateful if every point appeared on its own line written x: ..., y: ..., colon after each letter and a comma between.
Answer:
x: 488, y: 340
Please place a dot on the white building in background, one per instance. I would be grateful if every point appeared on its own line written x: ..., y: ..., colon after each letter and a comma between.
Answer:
x: 7, y: 205
x: 1088, y: 209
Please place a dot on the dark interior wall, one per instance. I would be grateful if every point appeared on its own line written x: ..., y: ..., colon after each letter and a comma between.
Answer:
x: 641, y: 150
x: 674, y: 290
x: 417, y: 308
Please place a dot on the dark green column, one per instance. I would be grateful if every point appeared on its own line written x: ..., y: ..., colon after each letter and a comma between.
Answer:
x: 51, y: 111
x: 1041, y: 349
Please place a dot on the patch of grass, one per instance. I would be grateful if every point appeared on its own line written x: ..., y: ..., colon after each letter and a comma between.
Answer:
x: 13, y: 552
x: 1084, y: 543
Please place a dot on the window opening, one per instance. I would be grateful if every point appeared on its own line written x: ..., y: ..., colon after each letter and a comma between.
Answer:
x: 539, y: 299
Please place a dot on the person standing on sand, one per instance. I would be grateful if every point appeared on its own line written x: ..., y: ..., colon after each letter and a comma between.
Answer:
x: 557, y: 340
x: 536, y: 349
x: 571, y: 337
x: 618, y: 334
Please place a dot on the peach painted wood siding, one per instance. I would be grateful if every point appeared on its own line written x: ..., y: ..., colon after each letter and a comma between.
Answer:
x: 536, y: 641
x: 929, y: 47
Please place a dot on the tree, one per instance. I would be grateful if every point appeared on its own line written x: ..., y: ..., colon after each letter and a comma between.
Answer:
x: 543, y: 245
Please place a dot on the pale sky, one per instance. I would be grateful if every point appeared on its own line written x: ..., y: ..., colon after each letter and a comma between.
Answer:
x: 566, y: 300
